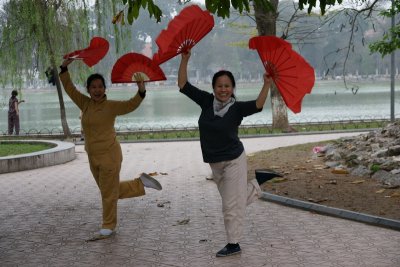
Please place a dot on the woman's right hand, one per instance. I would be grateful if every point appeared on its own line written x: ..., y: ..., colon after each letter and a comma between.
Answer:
x: 140, y: 81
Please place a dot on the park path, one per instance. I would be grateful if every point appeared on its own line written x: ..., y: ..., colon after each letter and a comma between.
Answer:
x: 47, y: 214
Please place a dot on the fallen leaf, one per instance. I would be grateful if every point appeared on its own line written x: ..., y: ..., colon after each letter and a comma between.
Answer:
x: 395, y: 194
x: 300, y: 168
x: 358, y: 182
x: 277, y: 180
x: 318, y: 166
x: 183, y: 222
x: 317, y: 200
x: 162, y: 204
x: 380, y: 191
x: 339, y: 171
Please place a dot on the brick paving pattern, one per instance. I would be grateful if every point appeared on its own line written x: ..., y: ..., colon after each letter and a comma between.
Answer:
x: 47, y: 214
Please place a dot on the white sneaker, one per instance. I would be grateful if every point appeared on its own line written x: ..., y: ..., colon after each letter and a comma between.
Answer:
x: 106, y: 232
x: 103, y: 234
x: 150, y: 182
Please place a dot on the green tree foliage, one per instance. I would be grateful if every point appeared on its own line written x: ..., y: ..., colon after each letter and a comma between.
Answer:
x: 219, y: 7
x: 30, y: 29
x: 135, y: 6
x: 322, y: 4
x: 391, y: 40
x: 35, y: 34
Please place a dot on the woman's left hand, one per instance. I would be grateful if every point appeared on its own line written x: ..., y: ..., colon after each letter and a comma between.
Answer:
x: 260, y: 101
x: 267, y: 79
x: 67, y: 61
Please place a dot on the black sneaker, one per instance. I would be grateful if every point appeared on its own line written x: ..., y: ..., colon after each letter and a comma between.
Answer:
x: 228, y: 250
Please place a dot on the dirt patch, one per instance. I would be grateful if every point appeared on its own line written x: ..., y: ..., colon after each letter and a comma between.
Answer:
x: 306, y: 178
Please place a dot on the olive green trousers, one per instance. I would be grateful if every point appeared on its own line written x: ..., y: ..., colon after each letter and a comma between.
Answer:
x: 105, y: 169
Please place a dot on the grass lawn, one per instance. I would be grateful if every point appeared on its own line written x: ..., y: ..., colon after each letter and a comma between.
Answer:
x: 10, y: 149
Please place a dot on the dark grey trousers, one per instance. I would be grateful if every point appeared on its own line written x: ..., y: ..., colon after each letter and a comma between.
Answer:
x: 13, y: 123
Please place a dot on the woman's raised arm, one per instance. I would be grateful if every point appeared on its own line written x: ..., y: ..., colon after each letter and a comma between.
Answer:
x: 262, y: 96
x: 182, y: 73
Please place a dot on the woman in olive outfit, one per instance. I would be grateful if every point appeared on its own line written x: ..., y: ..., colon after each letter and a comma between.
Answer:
x: 101, y: 145
x: 221, y: 115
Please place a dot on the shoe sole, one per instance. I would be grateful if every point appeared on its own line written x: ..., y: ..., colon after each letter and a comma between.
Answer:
x: 154, y: 183
x: 230, y: 254
x: 100, y: 237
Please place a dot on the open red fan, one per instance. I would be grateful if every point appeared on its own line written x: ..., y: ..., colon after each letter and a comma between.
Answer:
x: 306, y: 78
x: 91, y: 55
x: 132, y: 63
x: 183, y: 32
x: 292, y: 75
x: 268, y: 42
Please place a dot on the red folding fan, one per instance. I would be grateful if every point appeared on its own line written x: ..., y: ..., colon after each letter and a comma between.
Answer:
x: 268, y: 42
x: 133, y: 63
x: 306, y: 78
x: 183, y: 32
x: 292, y: 75
x: 91, y: 55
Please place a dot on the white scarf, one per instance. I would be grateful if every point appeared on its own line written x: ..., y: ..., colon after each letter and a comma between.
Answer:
x: 220, y: 108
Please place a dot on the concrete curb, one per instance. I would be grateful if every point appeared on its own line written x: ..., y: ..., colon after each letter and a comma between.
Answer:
x: 61, y: 152
x: 345, y: 214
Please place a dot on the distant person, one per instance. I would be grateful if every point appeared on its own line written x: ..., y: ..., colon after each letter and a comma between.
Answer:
x: 221, y: 115
x: 103, y: 149
x: 13, y: 113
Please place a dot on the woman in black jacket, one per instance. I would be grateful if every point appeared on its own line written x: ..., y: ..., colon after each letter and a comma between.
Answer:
x: 221, y: 115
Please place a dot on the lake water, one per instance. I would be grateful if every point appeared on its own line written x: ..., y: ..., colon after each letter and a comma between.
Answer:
x: 165, y: 107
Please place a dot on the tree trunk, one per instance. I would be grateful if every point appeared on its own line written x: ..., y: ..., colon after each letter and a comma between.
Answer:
x: 266, y: 25
x: 49, y: 47
x: 64, y: 123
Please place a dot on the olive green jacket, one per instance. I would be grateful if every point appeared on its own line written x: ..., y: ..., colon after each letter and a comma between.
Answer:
x: 98, y: 118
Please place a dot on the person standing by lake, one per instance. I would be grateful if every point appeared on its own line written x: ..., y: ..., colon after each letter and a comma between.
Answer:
x: 221, y: 115
x: 13, y: 113
x: 103, y: 149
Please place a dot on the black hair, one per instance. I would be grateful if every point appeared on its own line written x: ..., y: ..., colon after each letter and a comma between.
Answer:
x: 92, y: 77
x: 14, y: 93
x: 222, y: 73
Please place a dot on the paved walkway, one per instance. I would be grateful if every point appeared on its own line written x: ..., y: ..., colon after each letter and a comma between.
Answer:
x: 47, y: 214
